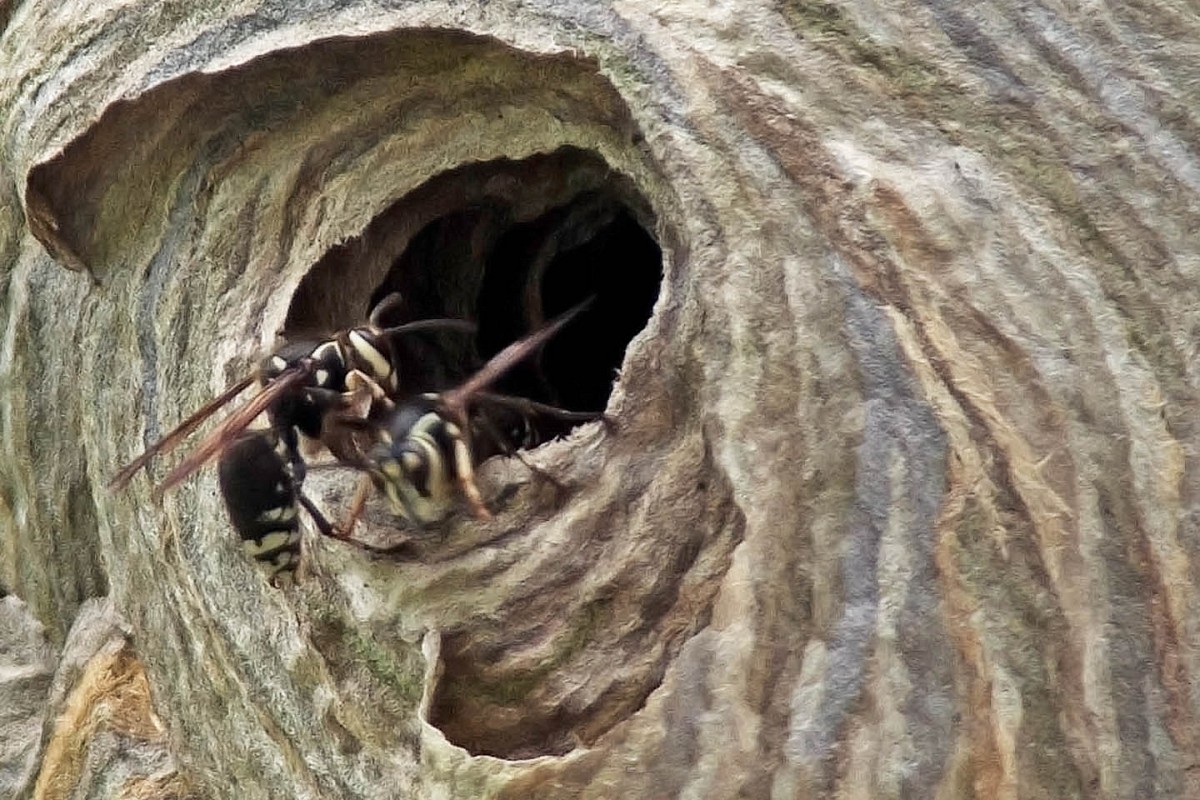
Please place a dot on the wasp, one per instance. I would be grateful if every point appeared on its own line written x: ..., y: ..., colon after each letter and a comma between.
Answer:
x: 306, y: 387
x: 427, y: 447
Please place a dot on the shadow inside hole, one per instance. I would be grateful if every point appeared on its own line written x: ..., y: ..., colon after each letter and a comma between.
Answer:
x: 510, y: 271
x: 590, y: 248
x: 614, y: 266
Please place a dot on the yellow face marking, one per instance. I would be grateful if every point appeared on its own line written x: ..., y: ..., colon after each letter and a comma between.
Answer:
x: 405, y: 499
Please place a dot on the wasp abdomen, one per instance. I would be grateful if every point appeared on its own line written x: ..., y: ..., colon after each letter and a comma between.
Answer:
x: 261, y: 500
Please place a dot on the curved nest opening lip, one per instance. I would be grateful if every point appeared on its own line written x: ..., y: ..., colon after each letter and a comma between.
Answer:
x: 508, y: 244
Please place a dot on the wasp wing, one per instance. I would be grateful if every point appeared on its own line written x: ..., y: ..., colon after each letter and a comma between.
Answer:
x: 234, y: 424
x: 181, y: 431
x: 455, y: 400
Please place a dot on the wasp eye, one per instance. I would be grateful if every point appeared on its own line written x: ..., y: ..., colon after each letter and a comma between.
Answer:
x: 416, y: 469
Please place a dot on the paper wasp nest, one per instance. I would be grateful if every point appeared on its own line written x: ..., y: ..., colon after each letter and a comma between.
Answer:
x: 894, y: 321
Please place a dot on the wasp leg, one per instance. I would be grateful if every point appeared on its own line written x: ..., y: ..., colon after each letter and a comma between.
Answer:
x: 343, y: 534
x: 529, y: 407
x: 506, y: 448
x: 465, y: 471
x: 474, y: 498
x: 346, y: 530
x: 318, y: 518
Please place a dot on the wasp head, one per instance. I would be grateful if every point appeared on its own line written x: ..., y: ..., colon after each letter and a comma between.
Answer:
x: 420, y: 463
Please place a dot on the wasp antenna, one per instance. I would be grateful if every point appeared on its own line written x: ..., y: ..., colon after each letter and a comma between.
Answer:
x: 432, y: 324
x: 390, y: 302
x: 181, y: 431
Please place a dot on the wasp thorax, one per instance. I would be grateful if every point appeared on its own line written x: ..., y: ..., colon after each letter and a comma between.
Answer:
x: 329, y: 365
x: 372, y: 355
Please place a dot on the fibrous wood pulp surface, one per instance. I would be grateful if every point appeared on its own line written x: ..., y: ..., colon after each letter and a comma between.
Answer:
x: 901, y: 498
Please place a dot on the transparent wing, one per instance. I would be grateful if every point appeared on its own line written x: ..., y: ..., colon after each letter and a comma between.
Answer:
x: 181, y: 431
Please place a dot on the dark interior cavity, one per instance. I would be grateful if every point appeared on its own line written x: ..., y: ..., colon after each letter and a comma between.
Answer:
x: 509, y: 245
x: 590, y: 249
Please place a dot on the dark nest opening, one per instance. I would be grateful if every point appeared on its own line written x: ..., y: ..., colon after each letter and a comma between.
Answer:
x: 509, y: 245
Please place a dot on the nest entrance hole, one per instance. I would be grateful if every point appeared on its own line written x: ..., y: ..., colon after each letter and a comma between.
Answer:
x: 508, y: 244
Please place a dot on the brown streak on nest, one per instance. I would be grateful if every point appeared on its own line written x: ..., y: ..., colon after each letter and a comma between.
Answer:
x: 166, y: 786
x: 1008, y: 456
x: 828, y: 195
x: 1027, y: 449
x: 969, y: 493
x: 1169, y: 638
x: 841, y: 216
x: 1020, y: 495
x: 111, y: 694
